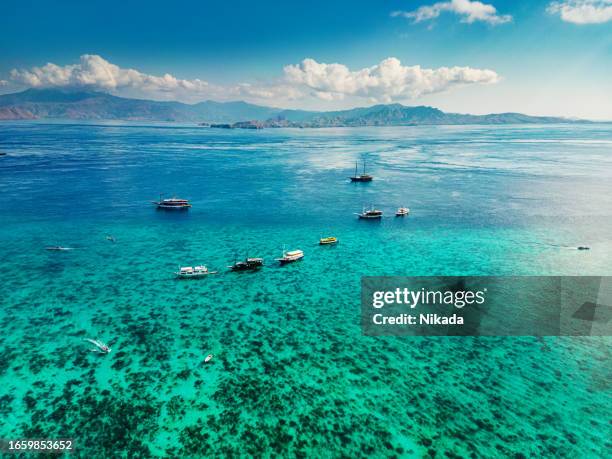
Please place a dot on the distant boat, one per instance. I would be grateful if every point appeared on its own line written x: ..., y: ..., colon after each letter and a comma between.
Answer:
x: 188, y: 272
x: 208, y: 358
x: 100, y: 346
x: 361, y: 177
x: 328, y: 240
x: 58, y: 248
x: 402, y: 212
x: 248, y: 264
x: 172, y: 203
x: 371, y: 214
x: 290, y: 257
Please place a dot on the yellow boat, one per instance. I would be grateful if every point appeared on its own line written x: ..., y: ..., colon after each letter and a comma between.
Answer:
x: 328, y: 240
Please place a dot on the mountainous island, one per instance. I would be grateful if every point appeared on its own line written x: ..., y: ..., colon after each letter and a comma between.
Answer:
x: 89, y: 105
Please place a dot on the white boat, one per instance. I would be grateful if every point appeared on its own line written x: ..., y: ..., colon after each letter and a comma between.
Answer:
x: 290, y: 256
x: 208, y: 358
x: 371, y: 214
x: 402, y: 212
x: 100, y: 346
x: 172, y: 203
x: 188, y: 272
x: 58, y: 248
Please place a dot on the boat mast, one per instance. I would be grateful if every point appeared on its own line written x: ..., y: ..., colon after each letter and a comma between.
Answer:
x: 355, y: 168
x: 364, y: 166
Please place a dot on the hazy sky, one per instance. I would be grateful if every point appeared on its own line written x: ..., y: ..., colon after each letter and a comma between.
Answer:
x: 536, y: 57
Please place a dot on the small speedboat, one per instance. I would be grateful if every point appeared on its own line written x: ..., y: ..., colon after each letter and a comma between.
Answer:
x: 188, y: 272
x: 208, y: 358
x: 100, y: 346
x: 402, y: 212
x: 328, y: 240
x: 290, y: 257
x: 172, y: 203
x: 58, y: 248
x: 371, y: 214
x: 248, y: 264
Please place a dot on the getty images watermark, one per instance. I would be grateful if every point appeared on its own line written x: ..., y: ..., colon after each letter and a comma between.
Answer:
x: 486, y: 306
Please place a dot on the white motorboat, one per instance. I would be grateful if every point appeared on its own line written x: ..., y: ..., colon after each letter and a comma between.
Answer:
x: 100, y: 346
x: 172, y: 203
x: 402, y: 212
x: 371, y: 214
x: 189, y: 272
x: 290, y: 256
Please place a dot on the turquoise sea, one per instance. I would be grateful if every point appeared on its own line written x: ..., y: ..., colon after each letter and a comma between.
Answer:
x: 292, y: 374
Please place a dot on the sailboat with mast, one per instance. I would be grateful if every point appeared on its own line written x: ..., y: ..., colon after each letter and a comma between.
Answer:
x: 361, y: 177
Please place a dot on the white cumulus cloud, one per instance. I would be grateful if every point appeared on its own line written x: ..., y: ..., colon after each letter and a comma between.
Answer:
x: 583, y: 11
x: 96, y: 72
x: 387, y: 81
x: 471, y: 11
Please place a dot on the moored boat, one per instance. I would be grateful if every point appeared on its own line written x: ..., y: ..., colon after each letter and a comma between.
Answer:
x: 290, y: 256
x: 402, y: 212
x: 370, y: 214
x: 189, y: 272
x: 361, y: 177
x: 328, y: 240
x: 248, y: 264
x: 172, y: 203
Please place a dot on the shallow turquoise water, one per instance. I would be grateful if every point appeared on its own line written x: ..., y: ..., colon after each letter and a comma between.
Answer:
x: 292, y: 373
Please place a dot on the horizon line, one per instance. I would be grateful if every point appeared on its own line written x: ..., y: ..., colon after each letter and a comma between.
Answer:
x: 84, y: 89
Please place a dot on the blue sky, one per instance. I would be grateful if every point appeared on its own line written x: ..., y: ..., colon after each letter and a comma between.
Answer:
x: 537, y: 57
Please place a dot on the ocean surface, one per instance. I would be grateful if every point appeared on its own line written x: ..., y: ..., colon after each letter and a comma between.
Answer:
x: 292, y: 374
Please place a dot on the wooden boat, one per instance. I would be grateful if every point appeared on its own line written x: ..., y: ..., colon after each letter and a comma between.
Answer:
x: 361, y: 177
x: 188, y: 272
x: 402, y: 212
x: 290, y: 257
x: 371, y: 214
x: 248, y: 264
x: 172, y: 203
x: 328, y: 240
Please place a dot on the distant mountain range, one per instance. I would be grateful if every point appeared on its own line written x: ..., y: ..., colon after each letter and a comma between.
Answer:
x: 89, y: 105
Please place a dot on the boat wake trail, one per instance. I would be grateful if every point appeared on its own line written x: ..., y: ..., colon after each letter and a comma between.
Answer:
x: 100, y: 346
x: 558, y: 246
